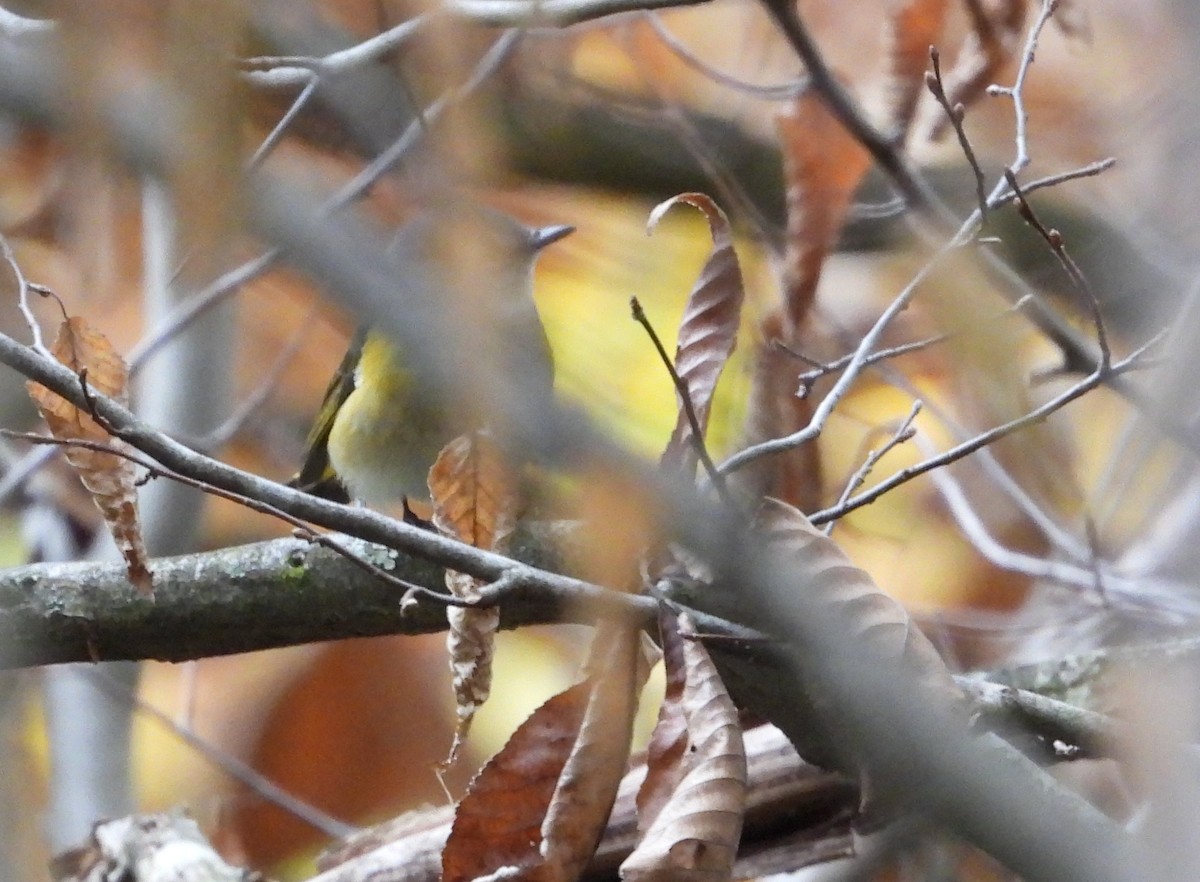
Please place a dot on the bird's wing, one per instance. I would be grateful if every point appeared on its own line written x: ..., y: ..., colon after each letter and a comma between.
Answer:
x: 316, y: 475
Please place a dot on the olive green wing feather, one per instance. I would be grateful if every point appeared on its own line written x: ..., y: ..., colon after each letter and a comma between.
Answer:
x: 316, y: 475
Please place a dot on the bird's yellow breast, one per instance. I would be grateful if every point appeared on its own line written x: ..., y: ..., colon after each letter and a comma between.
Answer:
x: 385, y: 438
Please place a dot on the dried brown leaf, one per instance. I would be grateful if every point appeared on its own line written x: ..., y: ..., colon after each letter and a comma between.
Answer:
x: 822, y: 164
x: 912, y: 26
x: 588, y: 786
x: 993, y: 41
x: 109, y: 477
x: 499, y: 822
x: 473, y: 491
x: 692, y: 834
x: 775, y: 411
x: 670, y: 737
x: 476, y: 500
x: 539, y: 807
x: 880, y: 623
x: 708, y: 331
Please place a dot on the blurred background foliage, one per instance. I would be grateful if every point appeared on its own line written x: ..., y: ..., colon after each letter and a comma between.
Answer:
x: 593, y: 126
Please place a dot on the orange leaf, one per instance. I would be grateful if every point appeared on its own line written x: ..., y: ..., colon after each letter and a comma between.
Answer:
x: 823, y: 165
x: 912, y: 27
x: 474, y: 499
x: 693, y: 833
x: 708, y: 331
x: 109, y: 477
x: 473, y: 491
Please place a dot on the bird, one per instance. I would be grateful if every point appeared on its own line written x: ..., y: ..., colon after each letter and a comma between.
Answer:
x: 379, y: 428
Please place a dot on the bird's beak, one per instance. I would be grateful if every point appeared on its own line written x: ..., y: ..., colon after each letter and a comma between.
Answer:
x: 543, y: 236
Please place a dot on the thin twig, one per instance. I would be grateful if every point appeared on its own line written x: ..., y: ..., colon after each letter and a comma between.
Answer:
x: 915, y: 191
x: 903, y: 432
x: 1054, y: 239
x: 685, y: 397
x: 956, y: 115
x: 773, y: 92
x: 808, y: 378
x: 853, y: 368
x: 960, y: 451
x: 276, y: 134
x: 23, y: 288
x: 995, y: 552
x: 1017, y: 90
x: 861, y: 211
x: 1003, y: 197
x: 282, y: 71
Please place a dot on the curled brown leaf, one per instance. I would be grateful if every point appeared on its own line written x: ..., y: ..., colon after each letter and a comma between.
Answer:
x: 499, y: 822
x: 475, y: 499
x: 109, y: 477
x: 692, y: 804
x: 708, y: 331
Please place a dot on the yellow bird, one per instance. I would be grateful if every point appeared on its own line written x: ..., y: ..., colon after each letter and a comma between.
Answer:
x: 378, y: 431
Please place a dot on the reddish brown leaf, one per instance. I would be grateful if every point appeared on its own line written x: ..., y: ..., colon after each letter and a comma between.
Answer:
x: 588, y: 786
x: 538, y: 808
x: 912, y: 26
x: 708, y: 331
x: 499, y: 821
x: 823, y: 165
x: 475, y: 500
x: 693, y: 834
x: 109, y: 477
x: 993, y: 41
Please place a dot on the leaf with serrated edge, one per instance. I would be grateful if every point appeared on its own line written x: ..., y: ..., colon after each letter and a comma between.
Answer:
x: 693, y: 835
x: 475, y: 500
x: 109, y: 478
x: 912, y: 26
x: 588, y: 785
x: 498, y: 823
x: 538, y: 808
x: 708, y: 331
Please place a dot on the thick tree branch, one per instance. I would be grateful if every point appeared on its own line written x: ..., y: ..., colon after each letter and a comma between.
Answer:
x: 261, y: 596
